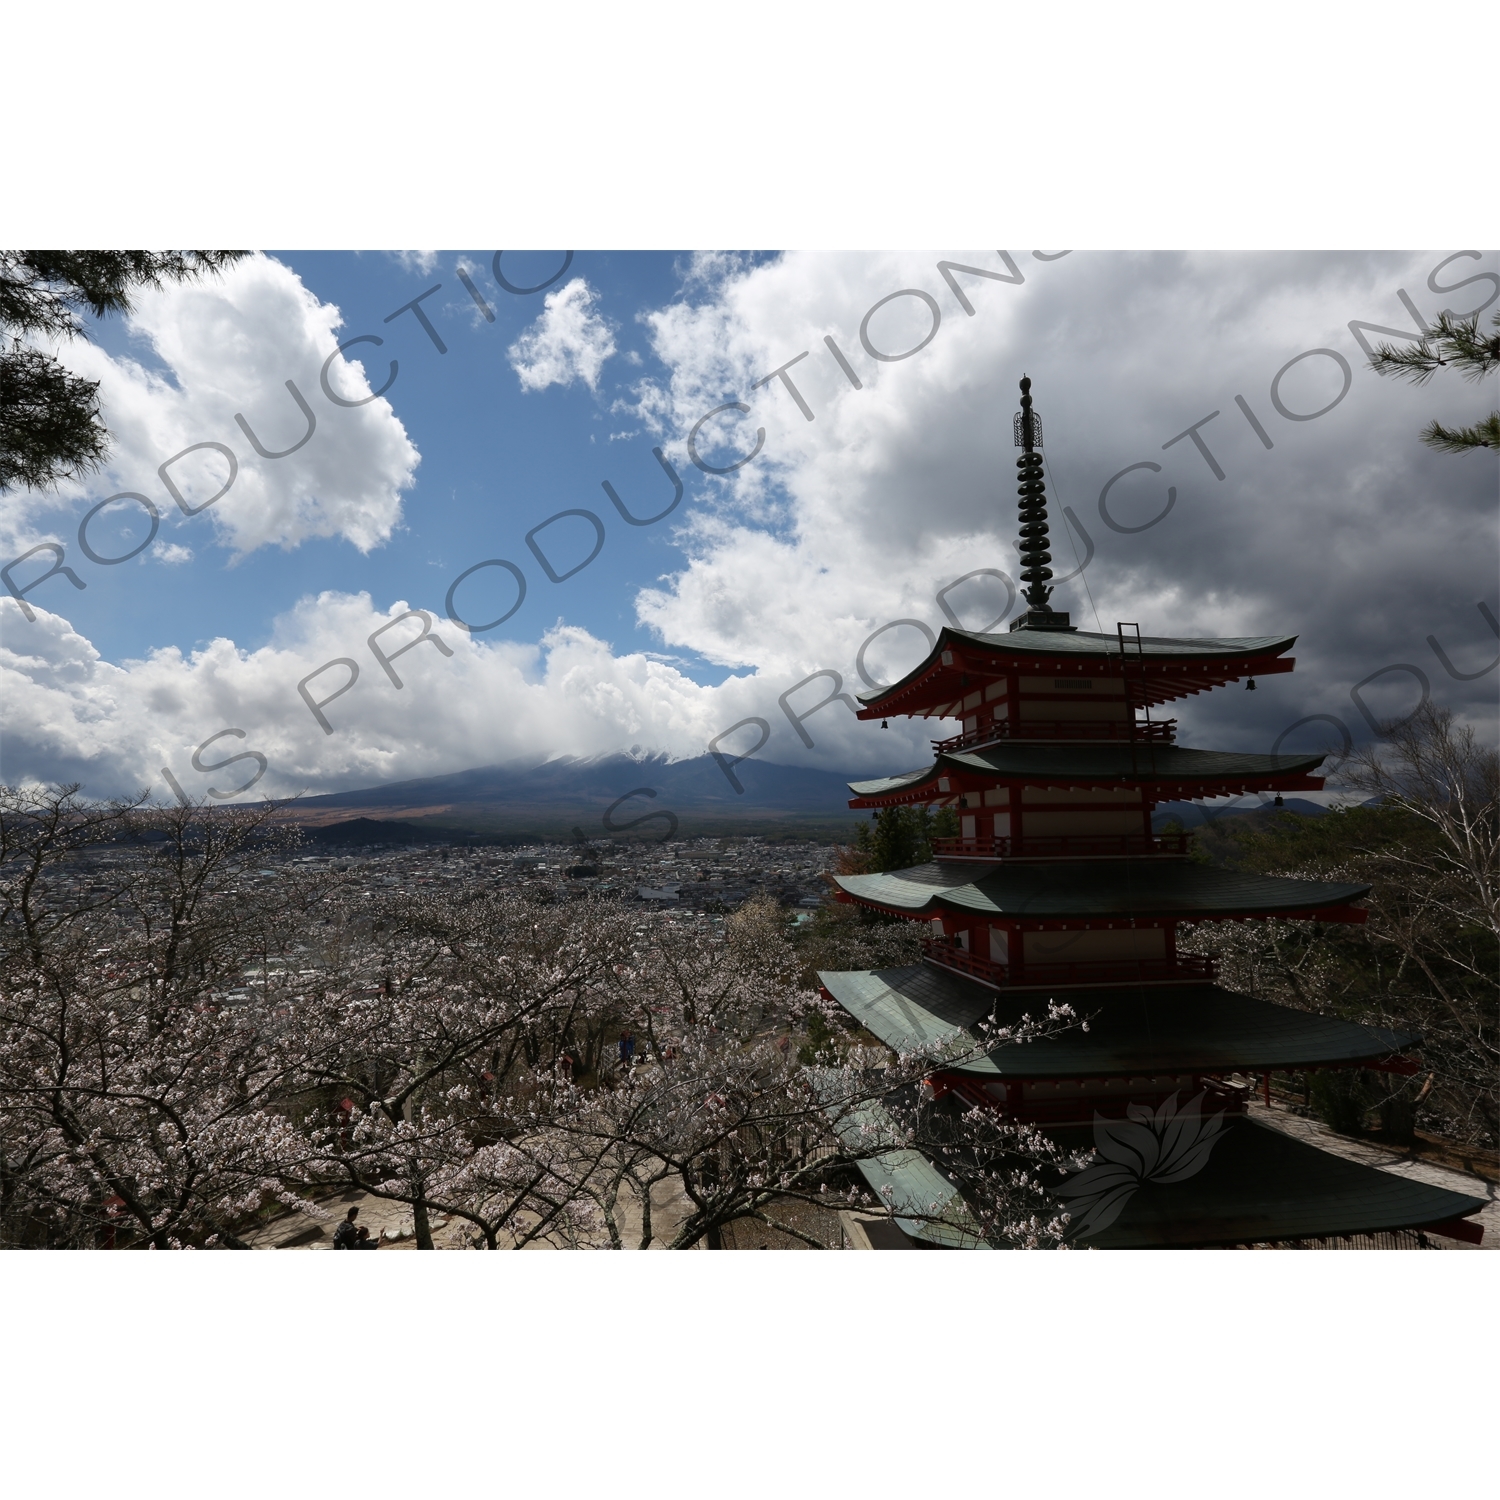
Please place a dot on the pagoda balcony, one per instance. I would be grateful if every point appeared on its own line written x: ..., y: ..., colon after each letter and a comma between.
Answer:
x: 1186, y: 968
x: 1065, y: 846
x: 1116, y: 731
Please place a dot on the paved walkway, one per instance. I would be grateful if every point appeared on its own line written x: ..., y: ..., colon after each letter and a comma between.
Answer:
x: 392, y: 1223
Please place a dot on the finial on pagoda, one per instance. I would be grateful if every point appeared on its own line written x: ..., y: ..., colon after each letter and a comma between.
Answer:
x: 1034, y: 529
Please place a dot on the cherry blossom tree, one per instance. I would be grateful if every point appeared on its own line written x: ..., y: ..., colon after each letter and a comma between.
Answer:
x: 433, y: 1050
x: 721, y: 1106
x: 134, y: 1101
x: 193, y: 1029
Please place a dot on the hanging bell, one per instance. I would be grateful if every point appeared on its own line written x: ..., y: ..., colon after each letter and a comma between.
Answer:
x: 1279, y: 802
x: 1250, y: 685
x: 885, y: 723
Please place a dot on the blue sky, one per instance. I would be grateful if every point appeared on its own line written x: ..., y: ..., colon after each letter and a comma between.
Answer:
x: 256, y: 624
x: 496, y: 460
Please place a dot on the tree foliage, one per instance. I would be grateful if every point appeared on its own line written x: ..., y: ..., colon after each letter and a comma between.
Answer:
x: 51, y: 428
x: 842, y: 935
x: 1427, y: 841
x: 1450, y: 343
x: 197, y: 1030
x: 899, y: 837
x: 132, y: 1099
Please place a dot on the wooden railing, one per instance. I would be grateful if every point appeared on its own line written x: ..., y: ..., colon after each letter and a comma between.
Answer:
x: 1158, y: 731
x: 1184, y: 969
x: 1064, y: 846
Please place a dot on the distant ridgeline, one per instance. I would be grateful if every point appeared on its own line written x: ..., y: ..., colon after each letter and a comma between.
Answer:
x: 570, y: 798
x: 1194, y: 815
x: 559, y: 800
x: 356, y: 832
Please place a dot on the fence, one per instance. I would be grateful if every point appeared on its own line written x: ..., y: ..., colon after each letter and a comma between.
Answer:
x: 1161, y: 731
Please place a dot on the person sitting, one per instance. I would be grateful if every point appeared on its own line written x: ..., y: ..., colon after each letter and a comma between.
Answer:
x: 352, y: 1236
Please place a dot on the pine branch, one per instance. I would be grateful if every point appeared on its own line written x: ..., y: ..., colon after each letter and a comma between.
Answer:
x: 1449, y: 341
x: 1483, y: 434
x: 1472, y: 353
x: 1455, y: 342
x: 1419, y: 361
x: 50, y: 427
x: 43, y: 292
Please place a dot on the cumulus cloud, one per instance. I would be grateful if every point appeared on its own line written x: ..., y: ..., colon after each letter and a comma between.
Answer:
x: 569, y: 341
x: 419, y: 262
x: 237, y: 379
x: 1346, y: 531
x: 71, y: 715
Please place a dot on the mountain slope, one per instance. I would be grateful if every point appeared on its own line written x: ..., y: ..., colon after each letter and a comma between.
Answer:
x: 555, y: 796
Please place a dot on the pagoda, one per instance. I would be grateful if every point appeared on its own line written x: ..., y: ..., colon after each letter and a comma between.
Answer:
x: 1056, y: 888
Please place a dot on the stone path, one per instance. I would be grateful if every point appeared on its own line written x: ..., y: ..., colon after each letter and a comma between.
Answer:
x: 392, y: 1222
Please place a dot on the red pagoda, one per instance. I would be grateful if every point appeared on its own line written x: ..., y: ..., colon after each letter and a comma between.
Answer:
x: 1057, y: 888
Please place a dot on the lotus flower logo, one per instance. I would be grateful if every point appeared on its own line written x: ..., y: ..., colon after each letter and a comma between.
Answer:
x: 1162, y: 1145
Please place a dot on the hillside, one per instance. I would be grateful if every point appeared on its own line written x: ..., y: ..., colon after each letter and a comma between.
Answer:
x: 559, y: 798
x: 570, y: 796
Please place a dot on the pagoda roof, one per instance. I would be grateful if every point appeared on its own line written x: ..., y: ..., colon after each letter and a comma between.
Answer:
x: 1068, y: 890
x: 1194, y: 663
x: 1178, y: 772
x: 1134, y: 1030
x: 1256, y: 1185
x: 923, y: 1199
x: 1259, y: 1185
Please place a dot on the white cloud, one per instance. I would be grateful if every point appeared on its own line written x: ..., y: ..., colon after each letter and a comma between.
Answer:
x: 171, y: 553
x: 420, y: 262
x: 568, y: 341
x: 71, y: 715
x: 1348, y: 532
x: 229, y: 346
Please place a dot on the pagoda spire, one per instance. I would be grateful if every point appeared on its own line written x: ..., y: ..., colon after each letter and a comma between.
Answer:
x: 1034, y: 529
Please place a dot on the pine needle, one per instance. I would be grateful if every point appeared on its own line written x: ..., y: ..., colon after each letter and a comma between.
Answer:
x: 1483, y: 434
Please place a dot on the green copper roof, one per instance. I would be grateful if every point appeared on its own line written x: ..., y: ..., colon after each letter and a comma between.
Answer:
x: 1133, y: 1030
x: 1066, y: 889
x: 1096, y: 765
x: 897, y: 783
x: 1254, y: 1185
x: 1257, y: 1184
x: 1102, y: 644
x: 926, y: 1204
x: 1090, y: 645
